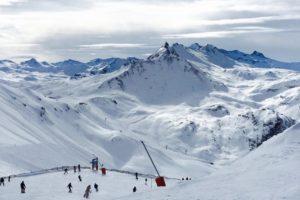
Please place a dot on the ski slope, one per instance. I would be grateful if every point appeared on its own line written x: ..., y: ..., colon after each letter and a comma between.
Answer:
x: 269, y: 172
x: 54, y: 186
x: 201, y: 114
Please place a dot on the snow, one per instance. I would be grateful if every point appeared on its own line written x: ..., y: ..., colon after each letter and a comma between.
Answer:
x: 54, y: 186
x: 269, y: 172
x: 201, y: 113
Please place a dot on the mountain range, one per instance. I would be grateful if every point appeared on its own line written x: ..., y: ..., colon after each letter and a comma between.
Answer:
x: 201, y: 110
x: 217, y: 56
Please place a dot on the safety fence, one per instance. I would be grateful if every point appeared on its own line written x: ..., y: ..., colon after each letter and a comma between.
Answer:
x: 62, y: 168
x: 139, y: 174
x: 45, y: 171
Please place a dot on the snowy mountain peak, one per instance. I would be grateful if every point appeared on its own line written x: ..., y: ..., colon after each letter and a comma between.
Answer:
x: 165, y: 52
x: 195, y: 46
x: 258, y: 54
x: 68, y: 62
x: 7, y: 62
x: 209, y: 48
x: 166, y: 45
x: 94, y: 62
x: 31, y: 62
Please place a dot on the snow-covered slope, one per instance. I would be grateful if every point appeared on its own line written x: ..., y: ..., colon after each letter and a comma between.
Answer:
x: 196, y: 109
x: 102, y: 66
x: 269, y: 172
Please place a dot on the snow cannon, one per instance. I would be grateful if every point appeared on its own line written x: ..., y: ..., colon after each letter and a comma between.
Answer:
x: 160, y: 180
x: 103, y: 170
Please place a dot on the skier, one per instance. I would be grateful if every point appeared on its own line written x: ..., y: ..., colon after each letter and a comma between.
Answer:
x: 66, y: 171
x: 87, y: 192
x: 79, y: 177
x: 187, y: 178
x: 136, y: 176
x: 146, y: 181
x: 23, y: 187
x: 8, y: 178
x: 134, y: 189
x: 74, y: 168
x: 78, y: 168
x: 70, y: 187
x: 1, y: 181
x: 96, y: 187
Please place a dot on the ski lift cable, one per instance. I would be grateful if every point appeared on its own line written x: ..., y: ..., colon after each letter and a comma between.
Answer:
x: 150, y: 158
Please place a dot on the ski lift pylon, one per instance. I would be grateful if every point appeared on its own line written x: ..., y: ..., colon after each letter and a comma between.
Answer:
x: 160, y: 180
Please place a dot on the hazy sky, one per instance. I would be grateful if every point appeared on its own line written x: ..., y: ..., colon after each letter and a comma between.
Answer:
x: 85, y: 29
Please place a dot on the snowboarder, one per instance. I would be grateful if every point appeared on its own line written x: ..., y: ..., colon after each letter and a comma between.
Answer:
x: 87, y: 192
x: 79, y: 169
x: 66, y: 171
x: 1, y: 181
x: 70, y: 187
x: 146, y: 181
x: 23, y: 187
x: 79, y: 177
x: 96, y: 187
x: 134, y: 189
x: 136, y: 176
x: 74, y: 168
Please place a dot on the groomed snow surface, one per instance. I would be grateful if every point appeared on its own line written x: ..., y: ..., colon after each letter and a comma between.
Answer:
x: 269, y: 172
x: 54, y: 186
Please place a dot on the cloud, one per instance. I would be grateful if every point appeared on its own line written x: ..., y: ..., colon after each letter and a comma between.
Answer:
x: 57, y: 25
x: 226, y: 33
x: 112, y: 45
x: 19, y: 45
x: 9, y: 2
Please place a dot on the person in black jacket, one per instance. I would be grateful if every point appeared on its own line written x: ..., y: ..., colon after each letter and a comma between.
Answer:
x: 66, y: 171
x: 79, y: 177
x: 134, y: 189
x: 96, y: 187
x: 23, y: 187
x: 70, y: 187
x: 1, y: 181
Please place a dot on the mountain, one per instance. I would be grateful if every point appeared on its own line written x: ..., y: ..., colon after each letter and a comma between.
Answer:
x: 108, y: 65
x: 71, y: 67
x: 33, y: 65
x: 207, y: 54
x: 258, y: 59
x: 201, y: 113
x: 181, y: 82
x: 8, y: 65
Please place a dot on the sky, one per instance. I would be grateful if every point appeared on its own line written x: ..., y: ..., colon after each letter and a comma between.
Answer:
x: 54, y: 30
